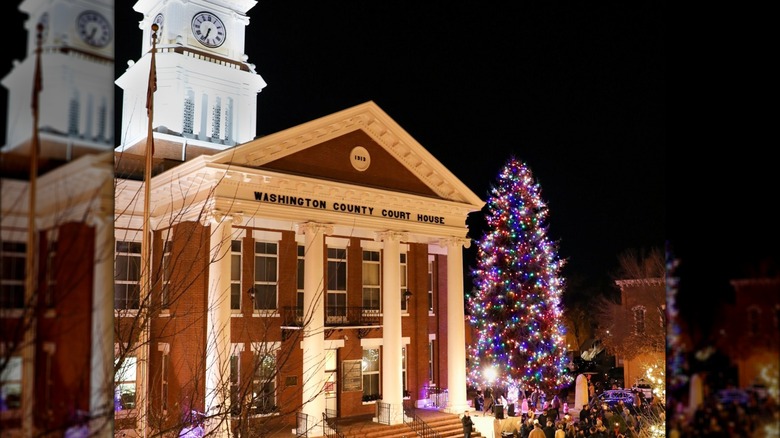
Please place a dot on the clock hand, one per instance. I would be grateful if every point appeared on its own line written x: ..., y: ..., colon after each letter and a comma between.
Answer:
x: 208, y: 31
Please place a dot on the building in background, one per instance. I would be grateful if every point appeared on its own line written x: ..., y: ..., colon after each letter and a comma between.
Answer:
x: 643, y: 301
x: 56, y: 227
x: 750, y: 332
x: 315, y: 272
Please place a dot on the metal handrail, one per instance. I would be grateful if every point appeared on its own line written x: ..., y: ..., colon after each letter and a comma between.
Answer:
x: 382, y: 412
x: 330, y: 427
x: 335, y: 316
x: 418, y: 425
x: 301, y: 425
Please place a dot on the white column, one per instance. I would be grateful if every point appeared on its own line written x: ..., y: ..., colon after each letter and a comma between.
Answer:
x: 101, y: 402
x: 392, y: 386
x: 218, y: 325
x: 456, y: 329
x: 313, y: 340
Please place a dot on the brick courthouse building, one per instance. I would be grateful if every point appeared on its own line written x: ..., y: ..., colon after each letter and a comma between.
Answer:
x: 315, y: 271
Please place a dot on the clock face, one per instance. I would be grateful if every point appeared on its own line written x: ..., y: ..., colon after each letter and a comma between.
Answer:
x: 208, y: 29
x: 94, y: 28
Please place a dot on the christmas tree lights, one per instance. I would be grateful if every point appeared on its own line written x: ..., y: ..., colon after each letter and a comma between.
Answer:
x: 516, y: 306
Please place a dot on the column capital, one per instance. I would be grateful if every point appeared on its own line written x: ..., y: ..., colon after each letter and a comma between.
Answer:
x: 314, y: 228
x: 99, y: 217
x: 455, y: 242
x: 215, y: 216
x: 384, y: 236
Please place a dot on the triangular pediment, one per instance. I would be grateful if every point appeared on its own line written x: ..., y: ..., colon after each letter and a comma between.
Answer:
x: 362, y: 146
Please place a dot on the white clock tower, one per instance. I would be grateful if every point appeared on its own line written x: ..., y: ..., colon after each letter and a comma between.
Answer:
x: 206, y: 96
x: 76, y: 110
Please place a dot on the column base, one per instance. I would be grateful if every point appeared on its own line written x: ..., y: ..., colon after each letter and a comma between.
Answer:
x: 458, y: 408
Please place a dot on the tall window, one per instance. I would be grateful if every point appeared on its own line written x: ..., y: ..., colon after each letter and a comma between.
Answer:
x: 370, y: 366
x: 430, y: 362
x: 403, y: 372
x: 48, y: 378
x: 204, y: 103
x: 265, y: 275
x: 235, y: 379
x: 337, y: 284
x: 51, y: 269
x: 404, y: 286
x: 127, y: 275
x: 189, y: 113
x: 124, y: 384
x: 235, y: 370
x: 164, y: 349
x: 102, y: 118
x: 165, y: 296
x: 299, y: 312
x: 12, y: 267
x: 89, y: 116
x: 216, y: 119
x: 264, y: 383
x: 371, y: 275
x: 331, y: 382
x: 639, y: 320
x: 431, y: 282
x: 11, y: 384
x: 73, y: 116
x: 235, y: 275
x: 229, y: 121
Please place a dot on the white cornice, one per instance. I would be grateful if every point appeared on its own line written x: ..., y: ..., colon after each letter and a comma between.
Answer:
x: 229, y: 181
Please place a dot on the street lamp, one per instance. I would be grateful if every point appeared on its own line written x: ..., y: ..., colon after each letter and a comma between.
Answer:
x: 490, y: 374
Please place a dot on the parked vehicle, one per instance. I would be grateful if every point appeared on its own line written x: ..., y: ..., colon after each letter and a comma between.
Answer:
x: 644, y: 387
x: 730, y: 395
x: 761, y: 392
x: 613, y: 396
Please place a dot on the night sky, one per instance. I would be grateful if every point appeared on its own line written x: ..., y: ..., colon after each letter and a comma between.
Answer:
x: 577, y: 91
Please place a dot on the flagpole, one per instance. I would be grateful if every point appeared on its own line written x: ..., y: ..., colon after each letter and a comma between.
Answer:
x: 31, y: 295
x: 145, y: 301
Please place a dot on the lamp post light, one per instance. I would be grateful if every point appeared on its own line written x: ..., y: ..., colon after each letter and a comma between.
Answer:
x: 490, y: 374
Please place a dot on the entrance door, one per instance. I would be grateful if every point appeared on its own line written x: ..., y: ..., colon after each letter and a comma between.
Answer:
x: 331, y: 383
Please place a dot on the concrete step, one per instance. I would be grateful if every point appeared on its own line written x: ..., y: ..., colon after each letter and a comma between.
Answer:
x: 446, y: 425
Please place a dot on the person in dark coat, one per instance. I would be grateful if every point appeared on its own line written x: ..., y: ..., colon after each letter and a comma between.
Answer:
x: 543, y: 417
x: 585, y: 415
x: 525, y: 428
x: 554, y: 410
x: 468, y: 425
x: 549, y: 429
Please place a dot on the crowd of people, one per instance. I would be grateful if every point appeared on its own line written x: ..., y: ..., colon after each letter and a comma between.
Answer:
x: 714, y: 419
x: 552, y: 418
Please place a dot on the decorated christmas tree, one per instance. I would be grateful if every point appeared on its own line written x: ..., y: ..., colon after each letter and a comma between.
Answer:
x: 515, y: 306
